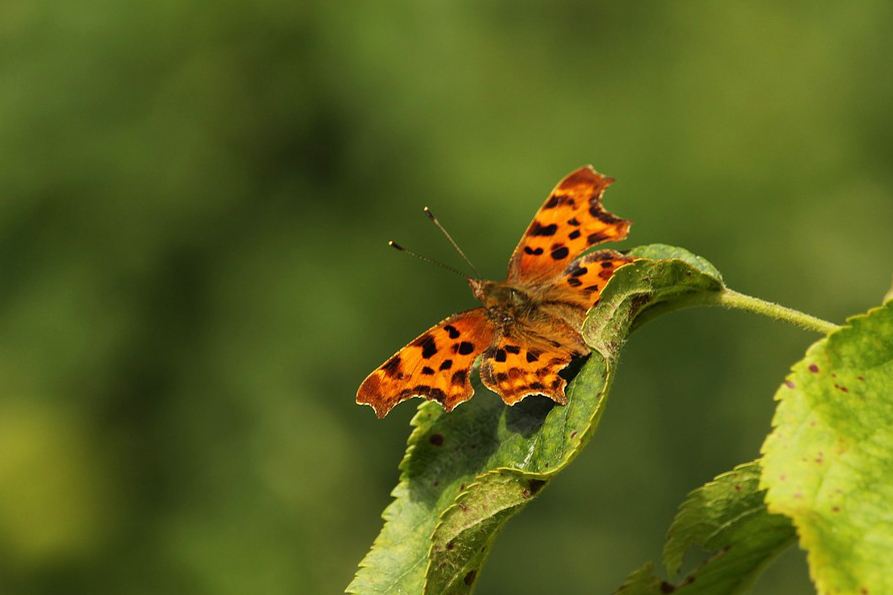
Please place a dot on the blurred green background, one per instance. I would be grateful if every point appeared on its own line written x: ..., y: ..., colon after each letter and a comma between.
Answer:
x: 194, y: 277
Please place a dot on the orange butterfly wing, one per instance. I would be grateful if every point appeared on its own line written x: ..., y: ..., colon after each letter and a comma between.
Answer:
x: 524, y: 364
x: 582, y: 281
x: 435, y: 365
x: 571, y: 220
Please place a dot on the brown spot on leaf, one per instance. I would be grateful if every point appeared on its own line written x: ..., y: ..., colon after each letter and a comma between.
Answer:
x: 436, y: 439
x: 813, y: 368
x: 469, y: 578
x: 789, y: 384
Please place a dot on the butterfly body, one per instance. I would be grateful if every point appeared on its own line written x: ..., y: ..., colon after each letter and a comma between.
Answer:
x: 529, y: 326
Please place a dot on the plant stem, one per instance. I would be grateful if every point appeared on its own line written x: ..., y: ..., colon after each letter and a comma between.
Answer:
x: 732, y: 299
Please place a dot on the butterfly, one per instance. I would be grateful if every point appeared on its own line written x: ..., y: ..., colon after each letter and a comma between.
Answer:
x: 528, y: 329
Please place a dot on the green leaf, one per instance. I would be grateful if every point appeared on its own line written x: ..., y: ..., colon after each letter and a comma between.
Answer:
x: 643, y: 582
x: 467, y: 472
x: 475, y: 452
x: 828, y: 463
x: 727, y: 517
x: 643, y: 290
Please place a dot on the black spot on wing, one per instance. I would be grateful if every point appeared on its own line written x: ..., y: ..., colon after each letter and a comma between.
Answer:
x: 500, y: 355
x: 532, y: 356
x: 606, y: 217
x: 459, y: 377
x: 513, y: 349
x: 428, y: 371
x: 559, y: 251
x: 573, y: 221
x: 538, y: 229
x: 574, y: 282
x: 574, y: 234
x: 453, y: 331
x: 392, y: 366
x: 595, y: 238
x: 447, y: 364
x: 463, y: 348
x: 426, y: 342
x: 528, y: 250
x: 557, y: 200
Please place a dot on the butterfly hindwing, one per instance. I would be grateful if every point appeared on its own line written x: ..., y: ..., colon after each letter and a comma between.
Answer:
x: 571, y: 221
x: 436, y: 365
x: 515, y: 368
x: 582, y: 281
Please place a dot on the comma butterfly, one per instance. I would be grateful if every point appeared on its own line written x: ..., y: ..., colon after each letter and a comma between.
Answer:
x: 529, y: 326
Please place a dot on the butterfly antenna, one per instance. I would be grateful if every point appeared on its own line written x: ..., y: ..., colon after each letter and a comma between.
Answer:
x: 397, y: 246
x: 452, y: 241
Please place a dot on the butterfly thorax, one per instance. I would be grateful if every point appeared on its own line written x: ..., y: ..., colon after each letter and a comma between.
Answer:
x: 505, y: 302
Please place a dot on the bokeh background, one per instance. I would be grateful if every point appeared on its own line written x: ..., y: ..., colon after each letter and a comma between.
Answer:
x: 194, y: 280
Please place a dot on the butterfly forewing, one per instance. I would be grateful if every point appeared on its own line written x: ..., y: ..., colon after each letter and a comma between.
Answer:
x: 436, y: 365
x: 571, y: 221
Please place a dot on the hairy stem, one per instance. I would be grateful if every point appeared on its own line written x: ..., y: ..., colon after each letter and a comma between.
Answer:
x: 732, y: 299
